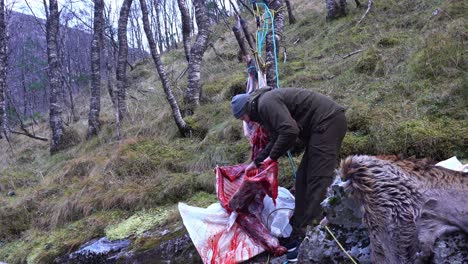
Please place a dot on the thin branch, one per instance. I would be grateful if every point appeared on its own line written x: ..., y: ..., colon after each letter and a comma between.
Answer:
x: 246, y: 6
x: 91, y: 28
x: 352, y: 53
x: 369, y: 5
x: 181, y: 74
x: 217, y: 54
x: 23, y: 128
x: 285, y: 54
x: 35, y: 17
x: 234, y: 8
x: 26, y: 133
x: 223, y: 15
x: 79, y: 18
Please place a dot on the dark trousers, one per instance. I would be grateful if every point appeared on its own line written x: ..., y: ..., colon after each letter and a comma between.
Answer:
x: 316, y: 172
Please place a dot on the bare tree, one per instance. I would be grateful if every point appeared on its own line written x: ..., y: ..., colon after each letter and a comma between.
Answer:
x: 136, y: 30
x: 192, y: 97
x: 65, y: 59
x: 291, y: 17
x: 3, y: 62
x: 248, y: 36
x: 158, y: 29
x: 185, y: 26
x: 122, y: 59
x: 183, y: 128
x: 175, y: 25
x: 273, y: 42
x: 336, y: 8
x: 94, y: 124
x: 166, y: 29
x: 55, y: 112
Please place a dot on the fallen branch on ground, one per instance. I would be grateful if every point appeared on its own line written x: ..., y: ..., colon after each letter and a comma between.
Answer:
x: 352, y: 53
x: 369, y: 5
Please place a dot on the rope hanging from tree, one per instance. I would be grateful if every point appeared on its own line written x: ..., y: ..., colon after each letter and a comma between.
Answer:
x: 266, y: 22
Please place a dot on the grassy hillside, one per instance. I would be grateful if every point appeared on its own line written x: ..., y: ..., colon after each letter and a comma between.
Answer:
x: 405, y: 92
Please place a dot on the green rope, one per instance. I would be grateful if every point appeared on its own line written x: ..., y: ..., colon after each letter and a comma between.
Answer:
x: 261, y: 36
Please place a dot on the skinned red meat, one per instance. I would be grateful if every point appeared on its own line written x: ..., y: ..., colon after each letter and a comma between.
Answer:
x: 259, y: 141
x: 244, y: 194
x: 256, y: 230
x: 237, y: 190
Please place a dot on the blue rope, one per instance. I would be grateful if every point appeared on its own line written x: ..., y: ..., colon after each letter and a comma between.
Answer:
x: 261, y: 36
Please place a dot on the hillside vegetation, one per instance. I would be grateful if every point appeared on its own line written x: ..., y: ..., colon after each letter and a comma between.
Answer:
x: 405, y: 93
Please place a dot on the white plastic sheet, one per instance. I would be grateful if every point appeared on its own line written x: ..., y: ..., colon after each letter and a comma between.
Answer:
x: 453, y: 164
x: 220, y: 241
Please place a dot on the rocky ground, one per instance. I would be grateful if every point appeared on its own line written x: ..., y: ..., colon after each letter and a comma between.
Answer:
x: 318, y: 246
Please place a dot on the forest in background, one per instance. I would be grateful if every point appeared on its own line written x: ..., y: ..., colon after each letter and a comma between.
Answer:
x: 401, y: 73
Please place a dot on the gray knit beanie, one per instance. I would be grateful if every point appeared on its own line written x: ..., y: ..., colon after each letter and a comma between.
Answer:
x: 239, y: 104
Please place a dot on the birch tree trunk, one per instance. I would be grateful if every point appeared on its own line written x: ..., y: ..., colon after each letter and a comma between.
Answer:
x: 94, y: 124
x: 272, y: 41
x: 183, y: 128
x: 335, y: 8
x: 122, y: 60
x: 158, y: 26
x: 166, y: 29
x: 248, y: 36
x: 185, y: 16
x: 192, y: 97
x: 175, y: 24
x: 291, y: 17
x: 55, y: 111
x: 3, y: 66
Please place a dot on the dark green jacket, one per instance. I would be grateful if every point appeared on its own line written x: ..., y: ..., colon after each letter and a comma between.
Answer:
x: 289, y: 113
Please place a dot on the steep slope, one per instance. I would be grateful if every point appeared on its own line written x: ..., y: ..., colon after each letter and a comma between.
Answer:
x: 405, y: 91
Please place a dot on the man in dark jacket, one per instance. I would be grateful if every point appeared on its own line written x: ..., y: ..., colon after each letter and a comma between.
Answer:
x: 288, y: 114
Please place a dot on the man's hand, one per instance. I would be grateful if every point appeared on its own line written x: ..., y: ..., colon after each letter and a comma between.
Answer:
x: 267, y: 161
x: 250, y: 167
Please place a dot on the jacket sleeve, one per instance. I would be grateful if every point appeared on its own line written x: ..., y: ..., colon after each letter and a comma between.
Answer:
x: 279, y: 121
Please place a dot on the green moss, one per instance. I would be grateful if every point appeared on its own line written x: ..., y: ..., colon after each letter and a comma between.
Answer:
x: 38, y: 246
x: 203, y: 199
x: 13, y: 178
x: 14, y: 252
x: 292, y: 67
x: 136, y: 224
x: 368, y: 62
x: 143, y: 243
x: 14, y: 221
x: 79, y: 168
x: 147, y: 156
x: 206, y: 182
x: 356, y: 144
x: 69, y: 139
x: 440, y: 56
x: 143, y: 69
x: 437, y: 138
x: 26, y: 157
x: 235, y: 85
x: 410, y: 99
x: 359, y: 118
x: 225, y: 85
x: 208, y: 116
x: 387, y: 42
x: 196, y: 126
x: 453, y: 9
x: 177, y: 186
